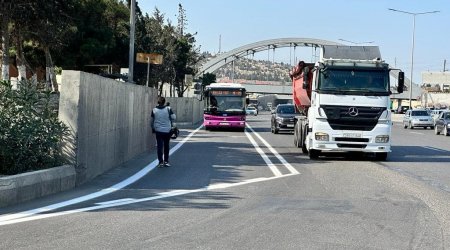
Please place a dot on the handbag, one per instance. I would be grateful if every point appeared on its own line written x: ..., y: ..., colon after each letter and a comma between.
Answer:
x: 173, y: 130
x: 174, y: 133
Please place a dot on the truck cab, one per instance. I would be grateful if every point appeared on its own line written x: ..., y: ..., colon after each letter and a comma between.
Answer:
x: 349, y: 103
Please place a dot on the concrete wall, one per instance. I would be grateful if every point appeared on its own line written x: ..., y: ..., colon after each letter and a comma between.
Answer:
x: 108, y: 121
x: 189, y: 110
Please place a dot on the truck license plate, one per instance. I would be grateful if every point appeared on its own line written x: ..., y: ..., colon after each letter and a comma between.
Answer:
x: 224, y: 123
x: 353, y: 135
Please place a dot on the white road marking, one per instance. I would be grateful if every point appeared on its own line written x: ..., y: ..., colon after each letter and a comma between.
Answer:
x: 417, y: 133
x: 274, y: 152
x: 266, y: 159
x: 102, y: 192
x: 128, y: 201
x: 436, y: 149
x: 114, y: 201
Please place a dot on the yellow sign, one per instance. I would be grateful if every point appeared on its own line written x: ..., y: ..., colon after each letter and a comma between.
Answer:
x: 153, y: 58
x: 188, y: 80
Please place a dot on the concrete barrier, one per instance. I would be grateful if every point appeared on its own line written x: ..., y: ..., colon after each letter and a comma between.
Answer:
x: 27, y: 186
x: 189, y: 110
x: 109, y: 122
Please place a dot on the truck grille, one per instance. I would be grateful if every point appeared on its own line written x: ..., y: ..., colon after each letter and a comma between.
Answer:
x: 342, y: 145
x: 346, y: 139
x: 352, y: 117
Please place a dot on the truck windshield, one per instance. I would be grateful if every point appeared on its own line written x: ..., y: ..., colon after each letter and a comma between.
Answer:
x: 352, y: 81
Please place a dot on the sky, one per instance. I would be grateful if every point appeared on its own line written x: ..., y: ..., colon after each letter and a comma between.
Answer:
x: 239, y: 22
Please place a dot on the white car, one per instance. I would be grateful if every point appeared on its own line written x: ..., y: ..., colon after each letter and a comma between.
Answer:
x: 251, y: 111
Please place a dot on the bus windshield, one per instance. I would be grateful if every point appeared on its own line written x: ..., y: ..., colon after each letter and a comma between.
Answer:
x: 225, y: 101
x: 349, y: 81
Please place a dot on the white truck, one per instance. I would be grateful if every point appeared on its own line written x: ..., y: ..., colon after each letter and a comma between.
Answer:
x: 344, y: 99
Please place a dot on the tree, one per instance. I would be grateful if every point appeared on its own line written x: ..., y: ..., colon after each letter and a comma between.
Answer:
x: 207, y: 79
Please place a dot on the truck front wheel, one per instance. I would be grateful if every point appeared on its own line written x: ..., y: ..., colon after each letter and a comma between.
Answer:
x: 313, y: 154
x: 381, y: 156
x: 303, y: 139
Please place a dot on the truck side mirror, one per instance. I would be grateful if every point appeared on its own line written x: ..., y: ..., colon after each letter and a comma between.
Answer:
x: 401, y: 82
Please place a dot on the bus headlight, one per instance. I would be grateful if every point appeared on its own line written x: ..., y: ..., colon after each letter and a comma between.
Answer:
x: 320, y: 136
x: 382, y: 139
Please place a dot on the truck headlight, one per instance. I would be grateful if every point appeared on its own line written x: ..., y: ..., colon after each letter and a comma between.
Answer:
x: 320, y: 136
x: 382, y: 139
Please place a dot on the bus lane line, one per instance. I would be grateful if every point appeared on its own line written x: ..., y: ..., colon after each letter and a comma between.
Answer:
x: 266, y: 159
x: 274, y: 152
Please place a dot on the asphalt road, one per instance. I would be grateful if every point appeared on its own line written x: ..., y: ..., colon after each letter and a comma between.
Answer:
x: 253, y: 190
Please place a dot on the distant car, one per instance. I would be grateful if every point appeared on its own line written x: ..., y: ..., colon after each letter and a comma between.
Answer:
x: 443, y: 124
x: 435, y: 114
x: 251, y: 110
x: 402, y: 109
x: 283, y: 118
x: 417, y: 118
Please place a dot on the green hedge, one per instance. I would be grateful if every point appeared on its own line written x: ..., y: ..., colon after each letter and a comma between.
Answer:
x: 30, y: 132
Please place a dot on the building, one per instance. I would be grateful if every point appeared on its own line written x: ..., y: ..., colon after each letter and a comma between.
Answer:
x: 436, y: 86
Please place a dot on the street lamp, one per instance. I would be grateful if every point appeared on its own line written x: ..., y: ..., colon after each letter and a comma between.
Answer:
x: 340, y: 39
x: 414, y: 14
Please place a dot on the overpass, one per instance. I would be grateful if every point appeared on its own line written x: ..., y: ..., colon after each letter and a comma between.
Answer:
x: 250, y: 49
x: 268, y: 89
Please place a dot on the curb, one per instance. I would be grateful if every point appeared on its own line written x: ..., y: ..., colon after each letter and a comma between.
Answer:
x: 27, y: 186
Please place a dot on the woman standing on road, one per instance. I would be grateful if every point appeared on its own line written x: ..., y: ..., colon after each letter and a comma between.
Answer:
x: 162, y: 117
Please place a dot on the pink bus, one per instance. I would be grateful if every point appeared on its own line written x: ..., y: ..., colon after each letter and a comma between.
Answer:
x: 224, y: 106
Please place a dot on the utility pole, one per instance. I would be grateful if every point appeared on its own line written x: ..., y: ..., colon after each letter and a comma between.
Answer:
x: 131, y: 52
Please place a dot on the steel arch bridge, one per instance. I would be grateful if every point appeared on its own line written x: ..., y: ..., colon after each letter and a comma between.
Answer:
x: 249, y: 49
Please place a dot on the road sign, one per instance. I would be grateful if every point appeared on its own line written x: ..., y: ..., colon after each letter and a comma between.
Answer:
x: 151, y: 58
x: 188, y: 80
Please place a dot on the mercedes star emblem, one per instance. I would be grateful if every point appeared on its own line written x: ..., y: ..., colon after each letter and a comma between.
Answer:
x: 353, y: 111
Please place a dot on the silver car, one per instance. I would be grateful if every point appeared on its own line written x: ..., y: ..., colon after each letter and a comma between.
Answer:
x: 443, y: 124
x: 417, y: 118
